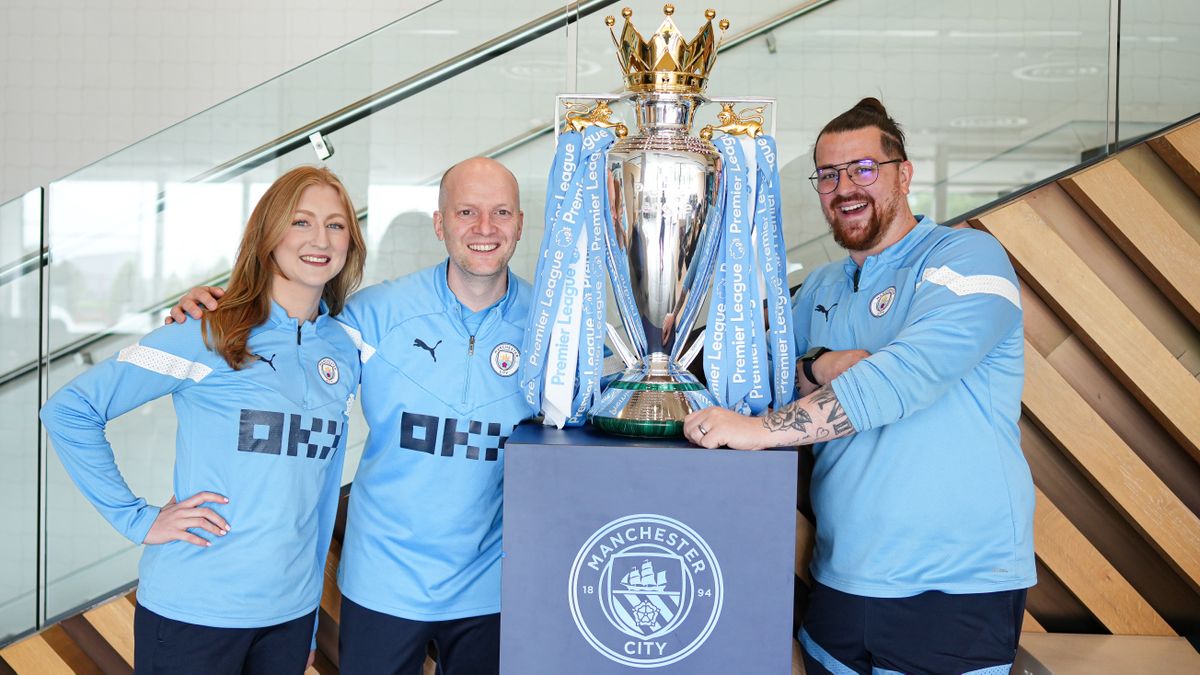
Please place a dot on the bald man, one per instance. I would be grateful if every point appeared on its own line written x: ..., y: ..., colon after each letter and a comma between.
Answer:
x: 440, y: 349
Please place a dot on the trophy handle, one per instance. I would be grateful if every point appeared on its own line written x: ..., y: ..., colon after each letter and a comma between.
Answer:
x: 693, y: 350
x: 620, y: 347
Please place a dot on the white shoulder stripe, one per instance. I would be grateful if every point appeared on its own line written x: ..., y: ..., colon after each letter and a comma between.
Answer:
x: 973, y: 284
x: 163, y: 363
x: 365, y: 351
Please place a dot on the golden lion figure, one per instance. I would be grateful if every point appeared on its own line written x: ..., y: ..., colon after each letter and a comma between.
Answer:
x: 579, y: 117
x: 748, y: 122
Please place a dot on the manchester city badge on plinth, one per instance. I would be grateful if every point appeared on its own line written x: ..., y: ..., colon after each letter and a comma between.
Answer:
x: 665, y: 212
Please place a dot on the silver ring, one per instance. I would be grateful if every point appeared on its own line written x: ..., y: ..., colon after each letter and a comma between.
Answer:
x: 703, y: 431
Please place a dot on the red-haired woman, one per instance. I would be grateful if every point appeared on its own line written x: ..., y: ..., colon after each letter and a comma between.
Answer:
x: 232, y: 573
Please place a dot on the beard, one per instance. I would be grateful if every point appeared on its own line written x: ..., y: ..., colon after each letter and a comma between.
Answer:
x: 866, y: 236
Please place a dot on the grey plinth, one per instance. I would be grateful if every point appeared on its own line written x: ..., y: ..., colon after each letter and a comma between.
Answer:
x: 650, y: 555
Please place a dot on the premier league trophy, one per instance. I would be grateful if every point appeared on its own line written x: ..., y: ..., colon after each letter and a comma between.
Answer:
x: 661, y: 209
x: 664, y: 194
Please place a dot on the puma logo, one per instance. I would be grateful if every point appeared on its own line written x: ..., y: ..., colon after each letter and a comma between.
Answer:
x: 432, y: 350
x: 822, y: 309
x: 265, y: 360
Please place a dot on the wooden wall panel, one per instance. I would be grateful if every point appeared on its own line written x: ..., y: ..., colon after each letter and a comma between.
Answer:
x: 49, y: 652
x: 1043, y: 329
x: 1173, y: 465
x: 1145, y: 231
x: 1112, y: 466
x: 1166, y: 186
x: 1180, y: 149
x: 1062, y: 279
x: 1090, y: 577
x: 1109, y: 260
x: 114, y: 621
x: 93, y: 644
x: 1109, y: 532
x: 1056, y: 609
x: 1104, y: 258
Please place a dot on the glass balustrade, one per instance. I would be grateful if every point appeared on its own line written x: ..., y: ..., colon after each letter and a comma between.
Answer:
x: 994, y: 97
x: 1159, y: 81
x: 20, y: 296
x: 132, y: 232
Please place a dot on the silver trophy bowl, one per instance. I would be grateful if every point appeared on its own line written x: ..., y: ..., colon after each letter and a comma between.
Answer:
x: 664, y: 188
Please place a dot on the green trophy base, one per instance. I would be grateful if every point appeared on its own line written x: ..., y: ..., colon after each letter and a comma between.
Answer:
x: 642, y: 404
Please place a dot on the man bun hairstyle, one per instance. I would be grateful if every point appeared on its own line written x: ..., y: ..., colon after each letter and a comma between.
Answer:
x: 868, y: 112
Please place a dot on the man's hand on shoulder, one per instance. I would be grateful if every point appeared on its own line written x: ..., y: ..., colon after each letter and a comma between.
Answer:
x: 194, y: 302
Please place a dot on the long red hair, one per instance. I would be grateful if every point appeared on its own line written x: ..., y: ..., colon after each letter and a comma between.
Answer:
x: 247, y: 300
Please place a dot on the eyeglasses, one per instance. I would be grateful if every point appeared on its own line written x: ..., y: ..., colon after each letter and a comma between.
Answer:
x: 862, y: 172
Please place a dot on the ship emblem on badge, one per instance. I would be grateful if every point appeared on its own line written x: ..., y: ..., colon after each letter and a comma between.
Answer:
x: 328, y: 370
x: 882, y: 302
x: 645, y: 591
x: 505, y: 359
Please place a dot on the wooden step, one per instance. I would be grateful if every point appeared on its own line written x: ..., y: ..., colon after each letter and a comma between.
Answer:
x: 114, y: 621
x: 1068, y: 654
x: 49, y: 652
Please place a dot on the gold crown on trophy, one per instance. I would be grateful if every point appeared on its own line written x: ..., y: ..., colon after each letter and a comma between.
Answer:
x: 666, y: 63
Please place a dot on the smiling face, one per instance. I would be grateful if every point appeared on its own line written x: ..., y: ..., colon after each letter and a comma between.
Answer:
x: 314, y: 246
x: 865, y: 220
x: 479, y: 218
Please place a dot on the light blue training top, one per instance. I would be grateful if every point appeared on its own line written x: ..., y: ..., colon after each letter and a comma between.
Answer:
x: 270, y: 437
x: 423, y: 529
x: 932, y: 492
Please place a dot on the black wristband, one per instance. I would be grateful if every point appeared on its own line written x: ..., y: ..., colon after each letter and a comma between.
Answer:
x: 806, y: 363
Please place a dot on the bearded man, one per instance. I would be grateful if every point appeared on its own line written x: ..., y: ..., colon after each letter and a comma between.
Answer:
x: 911, y: 391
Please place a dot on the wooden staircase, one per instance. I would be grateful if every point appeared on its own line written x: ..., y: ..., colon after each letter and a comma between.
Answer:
x: 1109, y: 260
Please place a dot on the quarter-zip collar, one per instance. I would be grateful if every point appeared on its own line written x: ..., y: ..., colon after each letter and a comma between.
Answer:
x: 278, y: 319
x: 454, y: 308
x: 891, y: 256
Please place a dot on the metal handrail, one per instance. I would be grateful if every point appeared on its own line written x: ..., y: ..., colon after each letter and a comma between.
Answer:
x: 407, y: 88
x: 334, y: 121
x: 26, y: 264
x: 370, y: 105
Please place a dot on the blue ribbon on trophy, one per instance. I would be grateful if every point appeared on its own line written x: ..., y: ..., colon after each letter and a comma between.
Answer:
x: 769, y: 226
x: 737, y: 346
x: 663, y: 211
x: 558, y: 377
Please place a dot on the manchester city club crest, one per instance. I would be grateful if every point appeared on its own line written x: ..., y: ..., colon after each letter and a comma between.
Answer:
x: 328, y: 370
x: 882, y: 302
x: 505, y: 359
x: 646, y: 591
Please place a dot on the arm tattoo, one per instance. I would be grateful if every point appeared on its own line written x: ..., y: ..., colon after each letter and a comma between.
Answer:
x: 790, y: 416
x: 835, y: 416
x: 831, y: 420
